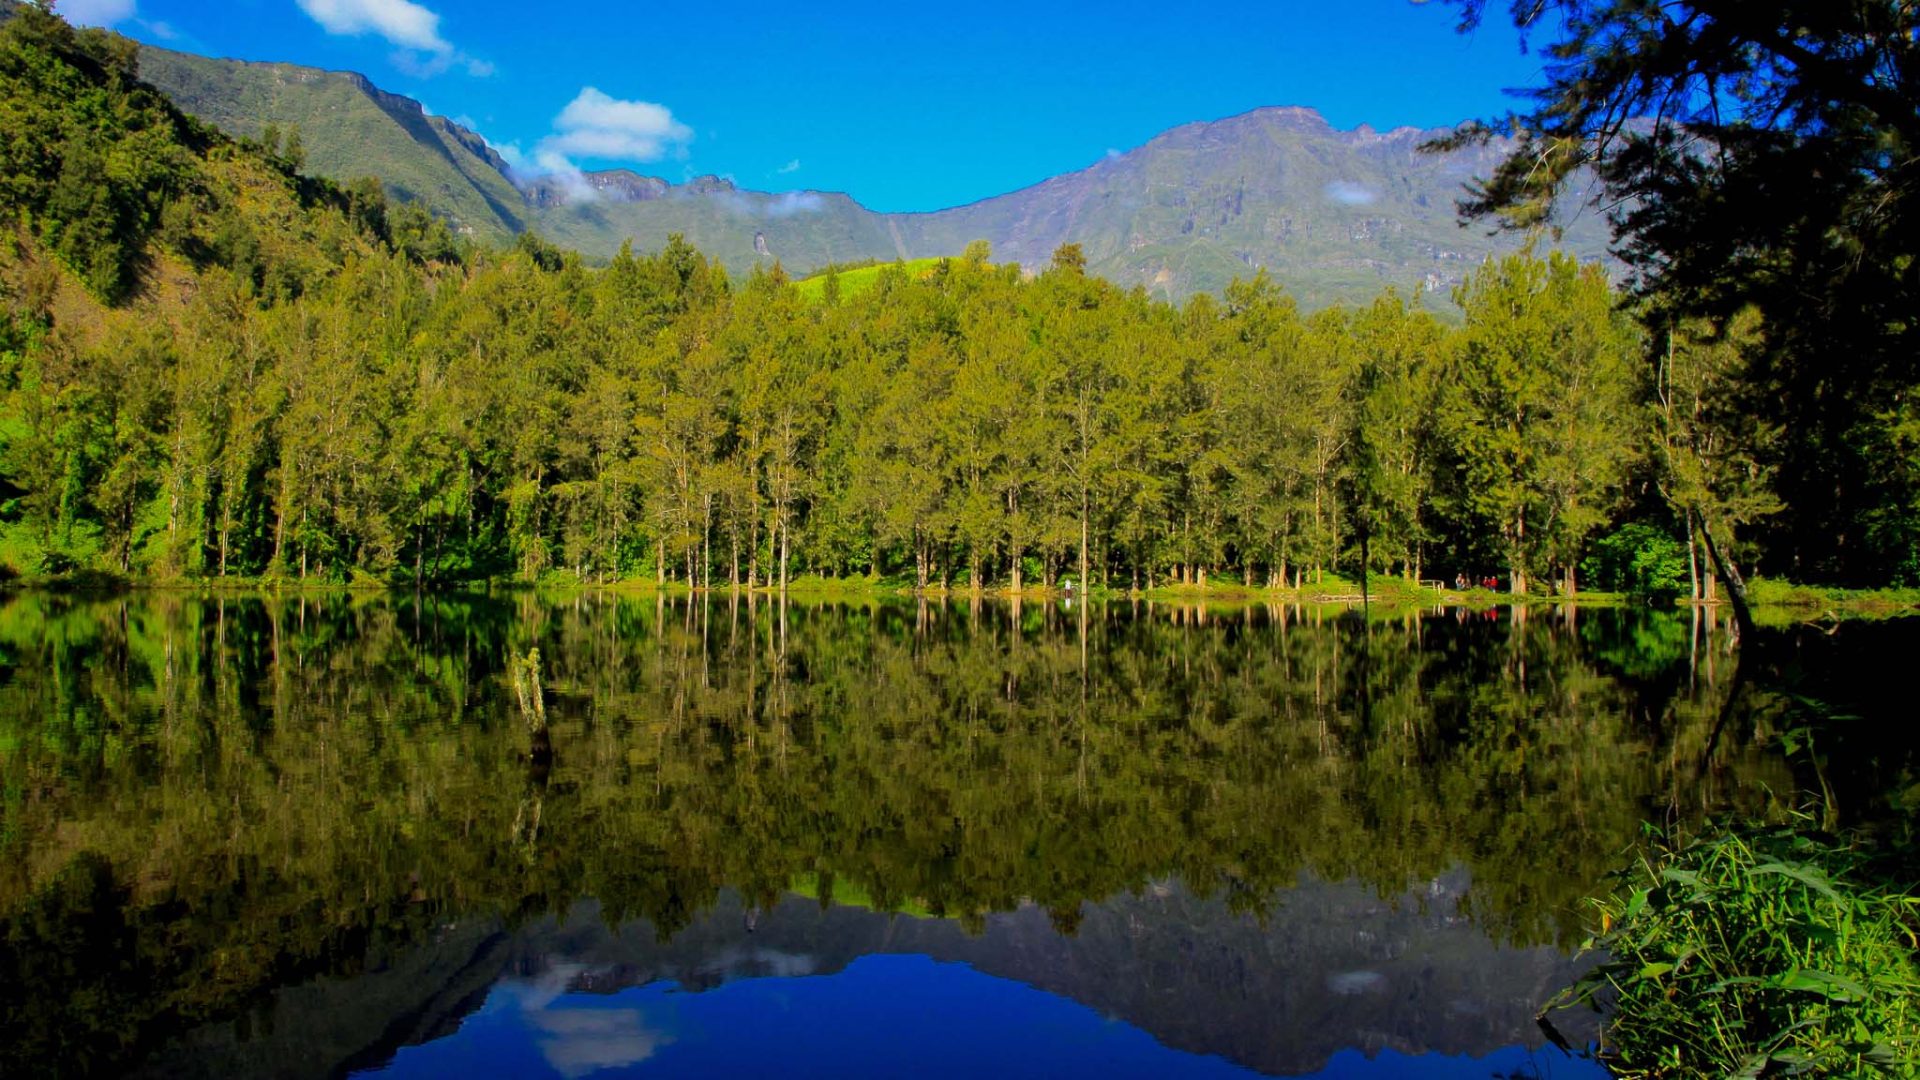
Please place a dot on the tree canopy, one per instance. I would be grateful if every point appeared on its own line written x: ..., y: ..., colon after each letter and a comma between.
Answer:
x: 271, y: 376
x: 1754, y: 154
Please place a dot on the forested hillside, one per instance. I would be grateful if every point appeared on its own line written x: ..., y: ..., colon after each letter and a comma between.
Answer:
x: 214, y: 367
x: 350, y: 128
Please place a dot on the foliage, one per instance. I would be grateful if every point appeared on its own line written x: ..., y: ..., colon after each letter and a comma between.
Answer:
x: 1756, y: 155
x: 1544, y: 395
x: 1639, y: 557
x: 87, y: 151
x: 1756, y: 954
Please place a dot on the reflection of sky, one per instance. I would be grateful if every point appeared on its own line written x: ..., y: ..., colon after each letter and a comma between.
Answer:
x: 883, y: 1015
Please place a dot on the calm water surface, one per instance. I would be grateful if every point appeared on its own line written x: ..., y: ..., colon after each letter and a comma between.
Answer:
x: 317, y: 837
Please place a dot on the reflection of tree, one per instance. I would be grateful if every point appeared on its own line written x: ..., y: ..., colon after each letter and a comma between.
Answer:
x: 266, y: 788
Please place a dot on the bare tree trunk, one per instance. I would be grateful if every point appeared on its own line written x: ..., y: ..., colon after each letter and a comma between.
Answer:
x: 1516, y: 577
x: 1736, y: 585
x: 1693, y: 557
x: 1083, y: 535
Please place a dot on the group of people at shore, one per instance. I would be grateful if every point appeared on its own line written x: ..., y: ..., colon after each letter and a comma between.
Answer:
x: 1490, y: 583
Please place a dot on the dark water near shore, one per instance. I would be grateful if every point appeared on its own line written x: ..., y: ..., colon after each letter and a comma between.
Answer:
x: 307, y: 837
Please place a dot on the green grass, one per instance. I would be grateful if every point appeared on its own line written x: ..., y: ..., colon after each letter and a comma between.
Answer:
x: 859, y: 279
x: 1792, y: 603
x: 847, y: 894
x: 1755, y: 953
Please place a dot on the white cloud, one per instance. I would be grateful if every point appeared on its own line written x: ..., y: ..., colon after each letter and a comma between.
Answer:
x: 95, y: 12
x: 413, y: 28
x: 790, y: 167
x: 162, y: 30
x: 596, y: 125
x: 1348, y: 193
x: 402, y: 22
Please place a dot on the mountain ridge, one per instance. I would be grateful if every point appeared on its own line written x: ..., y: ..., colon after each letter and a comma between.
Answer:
x: 1335, y: 215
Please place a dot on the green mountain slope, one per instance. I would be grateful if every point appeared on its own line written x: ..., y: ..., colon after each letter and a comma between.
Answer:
x: 350, y: 129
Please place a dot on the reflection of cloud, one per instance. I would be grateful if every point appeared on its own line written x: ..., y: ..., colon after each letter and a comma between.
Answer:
x: 583, y: 1041
x: 1348, y: 193
x: 580, y: 1041
x: 738, y: 963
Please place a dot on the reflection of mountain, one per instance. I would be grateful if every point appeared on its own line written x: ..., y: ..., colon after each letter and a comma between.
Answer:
x: 1329, y: 967
x: 227, y: 798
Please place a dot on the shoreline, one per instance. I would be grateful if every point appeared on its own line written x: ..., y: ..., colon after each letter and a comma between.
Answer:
x: 1785, y: 601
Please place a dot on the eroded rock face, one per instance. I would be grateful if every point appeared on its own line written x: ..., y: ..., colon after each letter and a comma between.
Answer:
x: 611, y: 185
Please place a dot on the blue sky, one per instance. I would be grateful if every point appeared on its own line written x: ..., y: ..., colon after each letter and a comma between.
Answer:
x: 904, y: 106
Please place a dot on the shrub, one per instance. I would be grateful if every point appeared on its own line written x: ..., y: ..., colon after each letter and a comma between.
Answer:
x: 1754, y: 954
x: 1639, y: 558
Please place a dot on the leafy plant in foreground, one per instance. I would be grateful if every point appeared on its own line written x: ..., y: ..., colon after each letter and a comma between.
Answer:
x: 1753, y: 954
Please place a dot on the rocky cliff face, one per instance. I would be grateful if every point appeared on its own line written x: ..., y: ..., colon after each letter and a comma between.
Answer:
x: 613, y: 185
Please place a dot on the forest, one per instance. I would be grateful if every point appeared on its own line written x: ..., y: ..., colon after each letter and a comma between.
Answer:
x: 213, y: 367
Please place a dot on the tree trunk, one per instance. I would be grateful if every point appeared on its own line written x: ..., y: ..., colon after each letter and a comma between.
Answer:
x: 753, y: 546
x: 1516, y: 577
x: 1083, y: 536
x: 1693, y: 558
x: 1736, y: 585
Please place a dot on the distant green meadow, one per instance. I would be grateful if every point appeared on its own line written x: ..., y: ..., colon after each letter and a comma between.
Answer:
x: 859, y: 279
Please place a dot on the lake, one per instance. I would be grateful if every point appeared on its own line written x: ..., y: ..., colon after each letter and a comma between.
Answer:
x: 321, y: 836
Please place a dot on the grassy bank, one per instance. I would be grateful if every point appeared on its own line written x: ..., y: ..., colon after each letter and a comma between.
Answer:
x: 1756, y: 952
x: 1781, y: 602
x: 1774, y: 602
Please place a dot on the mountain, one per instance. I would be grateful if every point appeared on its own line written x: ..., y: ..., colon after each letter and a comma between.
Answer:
x: 351, y: 128
x: 1334, y: 215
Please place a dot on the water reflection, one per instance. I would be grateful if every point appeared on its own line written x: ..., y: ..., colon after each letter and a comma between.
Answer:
x: 241, y: 831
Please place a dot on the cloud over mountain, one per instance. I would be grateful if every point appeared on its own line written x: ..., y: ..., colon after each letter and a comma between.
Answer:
x: 596, y: 125
x: 412, y: 28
